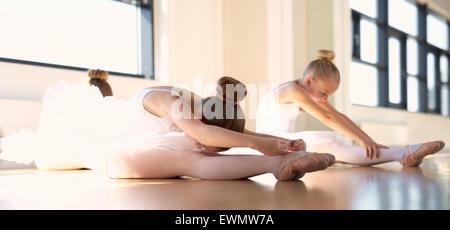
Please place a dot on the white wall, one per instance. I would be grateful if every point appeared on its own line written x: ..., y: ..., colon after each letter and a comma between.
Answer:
x: 194, y: 40
x: 320, y: 33
x: 265, y: 43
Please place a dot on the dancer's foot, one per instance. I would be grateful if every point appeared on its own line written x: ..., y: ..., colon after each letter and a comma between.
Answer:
x: 294, y: 166
x: 415, y: 159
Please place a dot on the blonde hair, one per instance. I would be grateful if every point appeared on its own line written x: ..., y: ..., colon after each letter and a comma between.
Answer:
x: 99, y: 78
x: 323, y: 67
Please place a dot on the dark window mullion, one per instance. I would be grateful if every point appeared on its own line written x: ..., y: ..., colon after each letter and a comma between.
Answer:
x: 423, y: 90
x: 404, y: 72
x: 145, y: 39
x: 34, y: 63
x: 368, y: 18
x: 448, y: 70
x: 438, y: 83
x: 396, y: 32
x: 432, y: 47
x: 383, y: 54
x: 356, y: 19
x: 358, y: 60
x: 403, y: 68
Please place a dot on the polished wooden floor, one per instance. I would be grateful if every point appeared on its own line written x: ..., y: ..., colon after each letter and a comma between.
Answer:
x: 387, y: 186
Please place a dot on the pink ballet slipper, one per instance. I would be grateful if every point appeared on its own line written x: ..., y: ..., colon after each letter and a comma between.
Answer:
x: 297, y: 168
x: 415, y: 159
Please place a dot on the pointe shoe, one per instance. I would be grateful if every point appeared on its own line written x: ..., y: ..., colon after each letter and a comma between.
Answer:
x: 297, y: 168
x: 415, y: 159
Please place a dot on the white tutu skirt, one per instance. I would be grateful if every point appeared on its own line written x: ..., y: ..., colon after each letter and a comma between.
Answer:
x: 79, y: 128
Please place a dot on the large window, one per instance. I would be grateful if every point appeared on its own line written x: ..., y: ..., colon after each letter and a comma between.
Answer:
x: 400, y: 56
x: 80, y: 34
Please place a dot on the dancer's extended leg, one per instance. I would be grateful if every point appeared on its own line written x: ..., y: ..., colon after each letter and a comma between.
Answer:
x: 409, y: 156
x: 165, y: 163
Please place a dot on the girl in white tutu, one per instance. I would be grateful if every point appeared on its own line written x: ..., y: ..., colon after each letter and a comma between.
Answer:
x: 151, y: 135
x: 279, y: 109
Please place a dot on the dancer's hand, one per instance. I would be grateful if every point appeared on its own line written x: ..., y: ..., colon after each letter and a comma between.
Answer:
x: 297, y: 145
x: 273, y: 146
x: 371, y: 148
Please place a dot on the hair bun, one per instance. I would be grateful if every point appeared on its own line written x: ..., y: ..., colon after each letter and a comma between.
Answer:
x: 98, y: 74
x: 326, y: 54
x: 239, y: 89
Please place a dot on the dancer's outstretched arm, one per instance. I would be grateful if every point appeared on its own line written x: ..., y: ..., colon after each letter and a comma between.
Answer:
x: 371, y: 143
x: 327, y: 106
x: 219, y: 137
x: 260, y: 134
x: 295, y: 145
x: 209, y: 135
x: 296, y: 94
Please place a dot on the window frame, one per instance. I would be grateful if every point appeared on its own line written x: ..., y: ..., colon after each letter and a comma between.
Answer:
x: 385, y: 32
x: 145, y: 46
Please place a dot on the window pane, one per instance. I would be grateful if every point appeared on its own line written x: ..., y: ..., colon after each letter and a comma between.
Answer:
x: 369, y: 49
x: 444, y: 101
x: 444, y: 68
x: 394, y: 71
x: 405, y: 21
x: 363, y: 84
x: 83, y: 33
x: 413, y: 94
x: 412, y: 56
x: 367, y: 7
x: 431, y: 82
x: 437, y: 31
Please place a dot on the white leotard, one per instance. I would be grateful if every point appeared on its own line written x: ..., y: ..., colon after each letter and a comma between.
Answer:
x: 138, y: 98
x: 275, y: 118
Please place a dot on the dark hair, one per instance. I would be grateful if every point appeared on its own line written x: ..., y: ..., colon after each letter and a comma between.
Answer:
x: 99, y: 78
x: 236, y: 122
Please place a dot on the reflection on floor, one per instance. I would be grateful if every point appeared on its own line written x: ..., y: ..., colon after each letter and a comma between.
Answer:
x: 339, y: 187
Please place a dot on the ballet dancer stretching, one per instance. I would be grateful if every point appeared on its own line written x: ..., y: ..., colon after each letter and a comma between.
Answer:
x: 213, y: 135
x: 279, y: 109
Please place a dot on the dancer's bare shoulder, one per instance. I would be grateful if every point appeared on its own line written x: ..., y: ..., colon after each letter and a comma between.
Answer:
x: 289, y: 90
x: 159, y: 102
